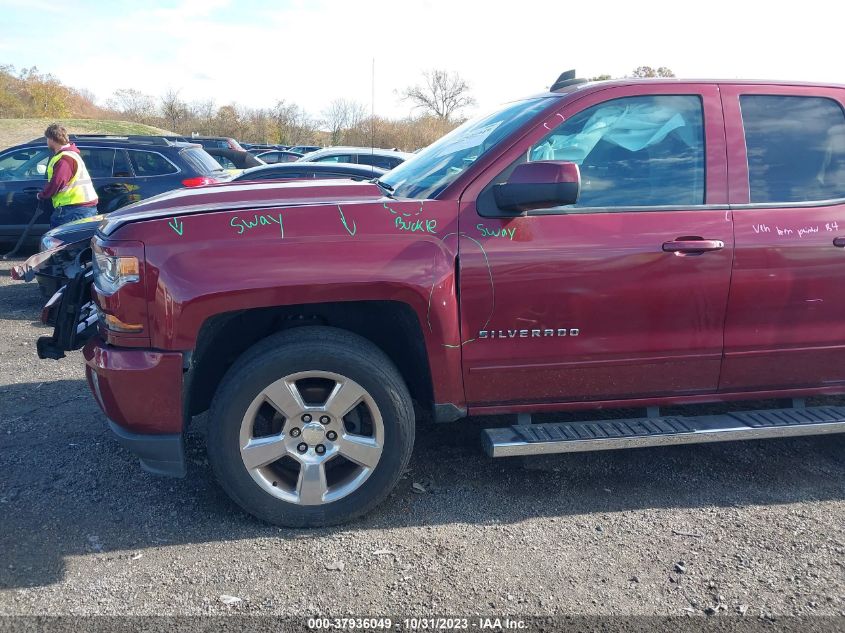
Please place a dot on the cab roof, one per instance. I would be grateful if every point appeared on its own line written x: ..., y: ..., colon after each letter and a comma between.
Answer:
x: 629, y: 81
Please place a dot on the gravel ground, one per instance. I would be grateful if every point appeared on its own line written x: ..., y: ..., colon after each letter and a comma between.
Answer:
x: 754, y: 528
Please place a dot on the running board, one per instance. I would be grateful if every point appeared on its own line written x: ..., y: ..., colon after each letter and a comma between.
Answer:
x: 572, y: 437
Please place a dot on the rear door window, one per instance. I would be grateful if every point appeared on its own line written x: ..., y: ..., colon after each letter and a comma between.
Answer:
x: 336, y: 158
x: 280, y: 175
x: 99, y: 161
x: 795, y: 147
x: 121, y: 165
x: 385, y: 162
x: 150, y: 164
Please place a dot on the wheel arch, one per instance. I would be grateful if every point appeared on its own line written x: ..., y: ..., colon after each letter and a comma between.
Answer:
x: 392, y: 326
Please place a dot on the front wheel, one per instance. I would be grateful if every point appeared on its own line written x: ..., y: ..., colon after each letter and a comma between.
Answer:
x: 311, y: 426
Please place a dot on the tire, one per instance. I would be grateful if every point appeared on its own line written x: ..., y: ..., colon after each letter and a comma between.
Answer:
x: 256, y: 409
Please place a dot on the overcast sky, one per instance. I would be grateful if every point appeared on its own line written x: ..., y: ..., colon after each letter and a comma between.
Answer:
x: 312, y: 51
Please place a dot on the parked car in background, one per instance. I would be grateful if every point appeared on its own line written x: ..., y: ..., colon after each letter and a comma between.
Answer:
x: 234, y: 161
x: 64, y: 250
x: 124, y: 169
x: 304, y: 149
x: 62, y: 247
x: 274, y: 156
x: 384, y: 158
x: 257, y: 148
x: 291, y: 171
x: 220, y: 142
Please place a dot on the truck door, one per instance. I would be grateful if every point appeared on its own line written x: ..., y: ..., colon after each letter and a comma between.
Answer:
x: 785, y: 322
x: 623, y: 294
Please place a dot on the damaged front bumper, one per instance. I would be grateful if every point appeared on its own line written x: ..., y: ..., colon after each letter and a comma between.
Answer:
x: 60, y: 262
x: 74, y: 314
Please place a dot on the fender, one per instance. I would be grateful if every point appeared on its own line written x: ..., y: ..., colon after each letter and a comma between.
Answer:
x: 202, y: 265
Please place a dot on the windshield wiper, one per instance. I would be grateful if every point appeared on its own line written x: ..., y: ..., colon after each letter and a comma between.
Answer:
x: 385, y: 186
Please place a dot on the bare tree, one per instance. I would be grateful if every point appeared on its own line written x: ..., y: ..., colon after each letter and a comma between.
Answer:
x: 173, y: 109
x: 342, y: 115
x: 201, y: 115
x: 442, y: 94
x: 132, y: 104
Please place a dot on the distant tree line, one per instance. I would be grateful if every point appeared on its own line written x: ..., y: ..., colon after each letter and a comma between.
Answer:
x: 640, y: 72
x: 437, y: 106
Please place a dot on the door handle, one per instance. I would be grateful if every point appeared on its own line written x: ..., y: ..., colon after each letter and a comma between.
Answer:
x: 684, y: 245
x: 839, y: 241
x: 31, y: 190
x: 114, y: 188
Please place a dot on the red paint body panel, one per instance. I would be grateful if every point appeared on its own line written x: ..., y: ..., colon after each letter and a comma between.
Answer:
x: 663, y: 401
x: 141, y: 390
x: 649, y: 322
x: 786, y: 315
x: 374, y: 249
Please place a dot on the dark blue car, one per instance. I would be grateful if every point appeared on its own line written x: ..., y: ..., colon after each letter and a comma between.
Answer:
x: 124, y: 170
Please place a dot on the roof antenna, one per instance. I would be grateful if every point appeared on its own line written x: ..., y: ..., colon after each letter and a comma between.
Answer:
x: 373, y: 108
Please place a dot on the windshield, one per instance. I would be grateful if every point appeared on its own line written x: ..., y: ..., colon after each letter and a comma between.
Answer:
x: 439, y: 165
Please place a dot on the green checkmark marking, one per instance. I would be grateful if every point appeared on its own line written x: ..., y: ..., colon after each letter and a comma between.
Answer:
x: 176, y: 225
x: 354, y: 228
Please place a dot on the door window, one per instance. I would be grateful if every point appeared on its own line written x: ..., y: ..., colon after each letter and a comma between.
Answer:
x: 275, y: 175
x: 335, y: 158
x: 25, y: 164
x: 795, y: 147
x: 121, y: 165
x: 226, y: 163
x: 385, y: 162
x: 150, y: 164
x: 98, y: 161
x: 328, y: 175
x: 633, y: 152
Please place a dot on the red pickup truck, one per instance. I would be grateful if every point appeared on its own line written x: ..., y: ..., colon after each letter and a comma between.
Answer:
x: 628, y: 243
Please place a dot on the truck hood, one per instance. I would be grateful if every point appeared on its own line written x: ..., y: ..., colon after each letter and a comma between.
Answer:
x: 239, y: 195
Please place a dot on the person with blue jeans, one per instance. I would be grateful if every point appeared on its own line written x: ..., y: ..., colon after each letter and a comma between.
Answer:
x: 69, y: 185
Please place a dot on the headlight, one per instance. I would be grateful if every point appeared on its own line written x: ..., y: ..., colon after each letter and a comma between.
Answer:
x: 112, y: 273
x: 48, y: 242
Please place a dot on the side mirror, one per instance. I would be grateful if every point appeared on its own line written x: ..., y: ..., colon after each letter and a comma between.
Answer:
x: 539, y: 184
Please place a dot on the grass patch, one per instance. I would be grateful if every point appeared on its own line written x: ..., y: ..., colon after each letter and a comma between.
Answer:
x: 15, y: 131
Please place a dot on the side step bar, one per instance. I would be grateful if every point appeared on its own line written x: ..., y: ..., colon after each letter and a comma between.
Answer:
x: 571, y: 437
